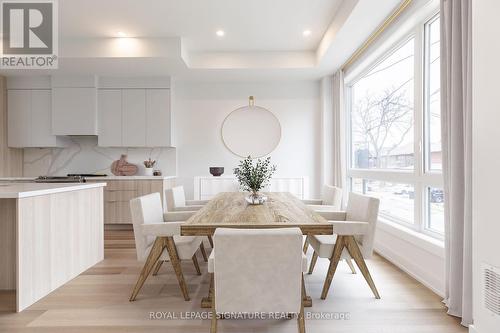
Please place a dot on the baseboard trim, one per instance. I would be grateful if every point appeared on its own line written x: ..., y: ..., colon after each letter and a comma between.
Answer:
x: 399, y: 262
x: 472, y: 329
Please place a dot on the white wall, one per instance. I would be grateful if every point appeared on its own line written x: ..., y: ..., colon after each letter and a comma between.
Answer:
x: 486, y: 161
x: 326, y: 90
x: 200, y: 109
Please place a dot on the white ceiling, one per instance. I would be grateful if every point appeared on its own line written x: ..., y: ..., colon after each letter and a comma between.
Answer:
x: 263, y: 39
x: 250, y: 25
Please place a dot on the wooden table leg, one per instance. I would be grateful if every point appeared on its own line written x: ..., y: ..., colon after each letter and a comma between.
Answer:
x: 206, y: 302
x: 213, y: 325
x: 176, y: 264
x: 300, y: 318
x: 306, y: 300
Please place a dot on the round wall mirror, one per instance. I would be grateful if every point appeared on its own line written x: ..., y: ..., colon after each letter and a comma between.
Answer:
x: 251, y: 131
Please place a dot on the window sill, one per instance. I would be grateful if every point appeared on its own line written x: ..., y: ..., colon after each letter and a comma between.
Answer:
x: 425, y: 242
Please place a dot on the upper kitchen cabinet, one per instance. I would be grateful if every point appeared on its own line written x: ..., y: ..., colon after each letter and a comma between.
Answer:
x: 134, y: 115
x: 29, y: 119
x: 109, y: 108
x: 74, y: 110
x: 134, y: 112
x: 158, y: 118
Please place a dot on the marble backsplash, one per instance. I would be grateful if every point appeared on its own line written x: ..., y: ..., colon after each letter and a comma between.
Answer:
x: 82, y: 155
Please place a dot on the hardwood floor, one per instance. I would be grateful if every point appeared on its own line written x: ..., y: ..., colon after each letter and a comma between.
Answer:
x: 97, y: 301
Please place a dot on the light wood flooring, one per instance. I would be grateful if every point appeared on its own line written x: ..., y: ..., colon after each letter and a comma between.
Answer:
x: 97, y: 301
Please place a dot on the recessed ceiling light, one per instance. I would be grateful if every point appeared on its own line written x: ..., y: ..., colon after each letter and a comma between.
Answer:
x: 220, y: 33
x: 121, y: 34
x: 306, y: 33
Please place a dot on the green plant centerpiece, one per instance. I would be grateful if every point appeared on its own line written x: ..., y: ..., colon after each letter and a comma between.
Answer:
x: 253, y: 177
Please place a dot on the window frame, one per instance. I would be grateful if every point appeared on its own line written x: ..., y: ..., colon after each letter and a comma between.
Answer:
x: 420, y: 177
x: 426, y: 101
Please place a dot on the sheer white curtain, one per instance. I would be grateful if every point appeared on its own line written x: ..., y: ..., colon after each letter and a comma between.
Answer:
x: 339, y: 142
x: 456, y: 131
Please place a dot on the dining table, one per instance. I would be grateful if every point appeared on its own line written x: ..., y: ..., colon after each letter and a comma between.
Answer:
x: 231, y: 210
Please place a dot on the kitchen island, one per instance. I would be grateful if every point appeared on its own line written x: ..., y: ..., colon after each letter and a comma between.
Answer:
x: 49, y: 233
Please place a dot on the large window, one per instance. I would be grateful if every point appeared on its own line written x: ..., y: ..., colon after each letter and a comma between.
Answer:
x: 382, y: 113
x: 395, y: 131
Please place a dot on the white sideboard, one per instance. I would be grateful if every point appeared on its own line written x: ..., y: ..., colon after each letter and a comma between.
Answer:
x: 206, y: 187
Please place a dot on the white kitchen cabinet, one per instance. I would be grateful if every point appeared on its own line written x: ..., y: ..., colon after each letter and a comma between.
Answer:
x: 158, y: 118
x: 29, y: 119
x: 110, y: 117
x: 19, y: 118
x: 74, y: 111
x: 134, y: 118
x: 41, y: 110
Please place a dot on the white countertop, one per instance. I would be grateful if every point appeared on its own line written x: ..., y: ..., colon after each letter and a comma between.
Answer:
x: 130, y: 177
x: 13, y: 179
x: 23, y: 190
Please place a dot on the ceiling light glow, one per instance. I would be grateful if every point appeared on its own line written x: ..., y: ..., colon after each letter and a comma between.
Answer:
x: 121, y: 34
x: 220, y: 33
x: 306, y: 33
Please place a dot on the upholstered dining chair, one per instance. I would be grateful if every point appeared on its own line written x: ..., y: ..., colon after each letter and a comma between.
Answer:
x: 354, y: 234
x: 176, y: 201
x: 157, y: 239
x: 250, y: 273
x: 331, y: 201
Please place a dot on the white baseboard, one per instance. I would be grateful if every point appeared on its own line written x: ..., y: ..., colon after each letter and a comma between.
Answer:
x: 396, y: 260
x: 415, y: 260
x: 472, y: 329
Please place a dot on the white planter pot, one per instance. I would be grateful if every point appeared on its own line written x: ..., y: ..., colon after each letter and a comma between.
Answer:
x: 148, y: 171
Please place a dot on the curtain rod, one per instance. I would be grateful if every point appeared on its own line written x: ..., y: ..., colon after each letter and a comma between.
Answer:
x: 387, y: 22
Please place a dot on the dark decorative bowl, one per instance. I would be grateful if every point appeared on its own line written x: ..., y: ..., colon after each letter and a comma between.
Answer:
x: 216, y: 171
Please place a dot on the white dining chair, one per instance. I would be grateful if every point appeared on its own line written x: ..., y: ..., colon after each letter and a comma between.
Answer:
x: 354, y: 234
x: 176, y: 201
x: 331, y: 201
x: 251, y: 273
x: 157, y: 239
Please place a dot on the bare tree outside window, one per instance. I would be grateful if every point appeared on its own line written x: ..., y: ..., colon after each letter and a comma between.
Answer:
x: 385, y: 121
x: 382, y: 113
